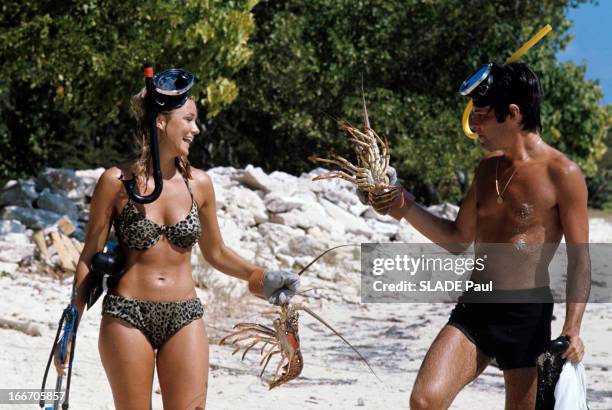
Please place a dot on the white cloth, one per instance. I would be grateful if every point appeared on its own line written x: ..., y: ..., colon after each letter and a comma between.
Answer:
x: 570, y: 391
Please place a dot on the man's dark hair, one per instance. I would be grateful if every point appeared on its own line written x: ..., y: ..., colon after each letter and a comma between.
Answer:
x: 515, y: 83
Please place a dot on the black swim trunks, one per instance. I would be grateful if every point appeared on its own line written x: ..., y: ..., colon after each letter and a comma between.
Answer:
x: 512, y: 333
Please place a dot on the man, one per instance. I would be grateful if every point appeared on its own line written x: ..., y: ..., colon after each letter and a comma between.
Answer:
x: 524, y: 192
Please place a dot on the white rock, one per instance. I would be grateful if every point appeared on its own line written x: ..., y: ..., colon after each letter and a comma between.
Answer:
x: 90, y: 178
x: 284, y: 178
x: 350, y: 222
x: 312, y: 215
x: 286, y: 261
x: 222, y: 285
x: 326, y: 275
x: 320, y: 186
x: 220, y: 196
x: 230, y: 232
x: 370, y: 213
x: 306, y: 245
x: 273, y: 233
x: 11, y: 226
x: 445, y: 210
x: 387, y: 229
x: 249, y: 202
x: 256, y: 178
x: 279, y: 202
x: 32, y: 218
x: 406, y: 233
x: 358, y: 209
x: 17, y: 239
x: 240, y: 216
x: 341, y: 197
x: 222, y: 178
x: 61, y: 180
x: 10, y: 268
x: 14, y: 247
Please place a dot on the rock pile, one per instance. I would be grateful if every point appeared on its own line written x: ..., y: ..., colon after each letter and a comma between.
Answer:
x: 276, y: 220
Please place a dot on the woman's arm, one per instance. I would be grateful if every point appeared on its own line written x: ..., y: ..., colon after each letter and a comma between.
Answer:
x: 100, y: 217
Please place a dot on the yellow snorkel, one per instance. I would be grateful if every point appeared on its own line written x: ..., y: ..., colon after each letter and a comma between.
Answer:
x: 465, y: 119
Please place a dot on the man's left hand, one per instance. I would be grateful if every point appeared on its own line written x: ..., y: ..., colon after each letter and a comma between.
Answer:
x: 575, y: 351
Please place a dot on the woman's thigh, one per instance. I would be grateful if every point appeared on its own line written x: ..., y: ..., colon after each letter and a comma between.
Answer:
x: 182, y: 368
x: 129, y: 361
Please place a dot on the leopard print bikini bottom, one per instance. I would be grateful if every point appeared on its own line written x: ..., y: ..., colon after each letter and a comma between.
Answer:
x: 158, y: 321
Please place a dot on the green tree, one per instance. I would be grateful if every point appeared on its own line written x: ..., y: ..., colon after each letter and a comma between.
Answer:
x: 310, y: 55
x: 69, y: 68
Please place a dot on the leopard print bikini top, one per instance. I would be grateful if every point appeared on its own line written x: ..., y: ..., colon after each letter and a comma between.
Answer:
x: 138, y: 232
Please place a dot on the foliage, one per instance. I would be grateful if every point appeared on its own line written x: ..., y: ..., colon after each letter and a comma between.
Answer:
x: 310, y: 55
x: 69, y: 68
x: 600, y: 185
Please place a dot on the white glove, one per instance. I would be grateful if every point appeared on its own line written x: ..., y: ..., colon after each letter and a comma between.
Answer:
x: 280, y: 286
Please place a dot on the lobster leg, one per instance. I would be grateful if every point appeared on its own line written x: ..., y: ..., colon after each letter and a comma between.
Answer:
x: 268, y: 357
x: 278, y: 367
x: 336, y: 174
x: 251, y: 336
x: 254, y: 326
x: 267, y: 353
x: 249, y: 347
x: 344, y: 163
x: 338, y: 161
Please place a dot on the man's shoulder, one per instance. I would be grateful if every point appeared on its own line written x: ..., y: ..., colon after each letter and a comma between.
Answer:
x: 566, y: 177
x: 560, y: 166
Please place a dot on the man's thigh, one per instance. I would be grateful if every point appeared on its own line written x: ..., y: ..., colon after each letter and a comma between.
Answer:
x: 452, y: 362
x: 521, y: 387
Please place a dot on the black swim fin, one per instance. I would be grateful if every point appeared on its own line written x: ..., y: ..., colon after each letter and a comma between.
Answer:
x: 549, y: 366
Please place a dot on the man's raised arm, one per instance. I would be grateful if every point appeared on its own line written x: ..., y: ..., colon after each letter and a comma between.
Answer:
x: 455, y: 236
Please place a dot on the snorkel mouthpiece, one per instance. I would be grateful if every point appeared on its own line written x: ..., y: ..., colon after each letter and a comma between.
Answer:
x: 166, y: 91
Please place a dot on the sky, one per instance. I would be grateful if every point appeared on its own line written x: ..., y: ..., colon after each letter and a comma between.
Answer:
x: 592, y: 43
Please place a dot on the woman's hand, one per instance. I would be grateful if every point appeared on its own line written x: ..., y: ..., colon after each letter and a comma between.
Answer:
x: 280, y: 286
x: 61, y: 368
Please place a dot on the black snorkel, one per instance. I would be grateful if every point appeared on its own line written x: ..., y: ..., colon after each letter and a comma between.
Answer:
x: 166, y: 91
x: 150, y: 117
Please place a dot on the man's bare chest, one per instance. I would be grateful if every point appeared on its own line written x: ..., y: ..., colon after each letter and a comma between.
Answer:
x: 527, y: 201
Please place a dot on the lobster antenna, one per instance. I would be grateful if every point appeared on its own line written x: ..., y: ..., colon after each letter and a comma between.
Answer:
x: 301, y: 292
x: 320, y: 319
x: 366, y: 120
x: 321, y: 255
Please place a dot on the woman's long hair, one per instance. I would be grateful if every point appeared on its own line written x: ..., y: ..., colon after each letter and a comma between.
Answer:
x: 142, y: 138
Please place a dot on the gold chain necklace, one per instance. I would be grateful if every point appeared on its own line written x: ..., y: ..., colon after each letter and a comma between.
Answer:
x: 500, y: 198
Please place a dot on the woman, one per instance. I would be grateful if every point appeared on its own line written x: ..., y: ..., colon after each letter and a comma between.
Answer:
x: 152, y: 316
